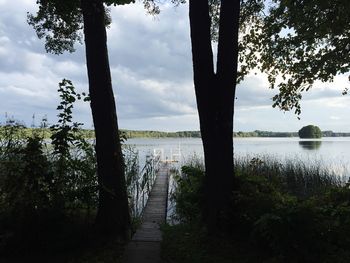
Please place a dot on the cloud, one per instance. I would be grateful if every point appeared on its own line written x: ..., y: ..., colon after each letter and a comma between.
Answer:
x: 183, y: 122
x: 151, y: 67
x: 151, y: 46
x: 150, y: 97
x: 253, y: 92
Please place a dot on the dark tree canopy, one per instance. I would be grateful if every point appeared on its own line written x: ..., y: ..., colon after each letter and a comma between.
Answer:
x: 60, y: 22
x: 297, y: 43
x: 310, y: 131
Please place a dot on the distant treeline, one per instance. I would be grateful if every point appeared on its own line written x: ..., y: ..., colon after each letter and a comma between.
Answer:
x: 335, y: 134
x: 159, y: 134
x: 258, y: 133
x: 196, y: 134
x: 42, y: 132
x: 88, y: 133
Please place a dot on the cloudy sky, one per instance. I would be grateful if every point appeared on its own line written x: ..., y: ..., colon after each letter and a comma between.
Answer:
x: 151, y: 69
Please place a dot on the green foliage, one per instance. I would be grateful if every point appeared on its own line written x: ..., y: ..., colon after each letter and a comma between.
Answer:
x: 118, y: 2
x: 25, y: 180
x: 258, y: 133
x: 48, y: 192
x: 295, y: 177
x: 127, y: 134
x: 271, y: 215
x: 60, y: 22
x: 248, y: 12
x: 310, y: 131
x: 74, y: 157
x: 159, y: 134
x: 257, y: 195
x: 188, y: 193
x: 300, y: 41
x: 313, y: 230
x: 132, y: 174
x: 43, y: 187
x: 66, y: 133
x: 46, y: 133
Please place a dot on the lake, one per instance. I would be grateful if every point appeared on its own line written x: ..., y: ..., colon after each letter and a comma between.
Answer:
x: 330, y: 152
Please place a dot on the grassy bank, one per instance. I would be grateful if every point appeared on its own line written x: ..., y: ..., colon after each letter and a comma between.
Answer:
x: 289, y: 212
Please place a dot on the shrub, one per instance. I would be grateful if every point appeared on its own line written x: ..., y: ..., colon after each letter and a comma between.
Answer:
x: 43, y: 188
x: 314, y: 230
x: 274, y: 215
x: 188, y: 193
x: 49, y: 191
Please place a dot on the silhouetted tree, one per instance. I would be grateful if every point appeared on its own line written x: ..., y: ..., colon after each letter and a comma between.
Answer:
x: 300, y: 41
x: 215, y: 93
x: 113, y: 212
x: 60, y: 22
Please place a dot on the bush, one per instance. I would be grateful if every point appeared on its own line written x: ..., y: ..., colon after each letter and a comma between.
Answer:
x: 273, y: 215
x: 45, y: 189
x: 188, y: 194
x: 49, y: 191
x: 314, y: 230
x: 287, y: 222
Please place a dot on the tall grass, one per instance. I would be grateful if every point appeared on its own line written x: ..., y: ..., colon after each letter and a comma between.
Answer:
x: 302, y: 178
x: 292, y: 211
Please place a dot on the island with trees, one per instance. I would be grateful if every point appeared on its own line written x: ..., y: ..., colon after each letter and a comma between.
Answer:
x: 310, y: 132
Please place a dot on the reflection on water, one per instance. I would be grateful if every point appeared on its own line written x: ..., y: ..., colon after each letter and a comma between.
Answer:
x: 310, y: 145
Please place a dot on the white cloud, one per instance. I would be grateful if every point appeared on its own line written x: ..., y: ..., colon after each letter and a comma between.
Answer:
x: 337, y: 103
x: 70, y: 68
x: 151, y: 70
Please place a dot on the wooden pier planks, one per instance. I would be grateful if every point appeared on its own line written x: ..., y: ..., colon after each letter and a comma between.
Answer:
x: 145, y: 244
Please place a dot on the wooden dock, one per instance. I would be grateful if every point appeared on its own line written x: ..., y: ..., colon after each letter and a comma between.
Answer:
x: 145, y: 244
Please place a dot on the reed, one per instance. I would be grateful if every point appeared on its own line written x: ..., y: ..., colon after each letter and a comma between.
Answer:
x: 301, y: 178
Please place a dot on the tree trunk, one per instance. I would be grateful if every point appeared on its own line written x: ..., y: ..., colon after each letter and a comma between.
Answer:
x: 113, y: 213
x: 215, y: 95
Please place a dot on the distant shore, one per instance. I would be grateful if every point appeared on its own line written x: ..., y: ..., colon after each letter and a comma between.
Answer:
x: 196, y: 134
x: 89, y: 133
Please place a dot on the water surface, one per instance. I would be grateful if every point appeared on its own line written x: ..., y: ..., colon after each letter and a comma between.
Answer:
x: 330, y: 152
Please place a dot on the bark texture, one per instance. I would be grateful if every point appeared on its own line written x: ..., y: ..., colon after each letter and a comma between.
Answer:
x: 215, y: 93
x: 113, y: 214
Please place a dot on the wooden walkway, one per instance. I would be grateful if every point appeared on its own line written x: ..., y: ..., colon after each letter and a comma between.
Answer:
x: 145, y: 244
